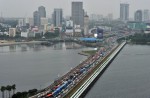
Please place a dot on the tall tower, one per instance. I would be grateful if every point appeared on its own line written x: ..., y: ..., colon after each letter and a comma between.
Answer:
x: 57, y: 17
x: 78, y: 13
x: 36, y: 19
x: 124, y: 12
x: 138, y: 16
x: 86, y: 24
x: 42, y: 11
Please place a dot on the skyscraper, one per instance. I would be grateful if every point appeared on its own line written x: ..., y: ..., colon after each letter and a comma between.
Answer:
x: 86, y: 24
x: 36, y: 19
x: 124, y: 12
x: 138, y: 16
x: 57, y: 17
x: 42, y: 11
x: 146, y: 15
x: 78, y: 13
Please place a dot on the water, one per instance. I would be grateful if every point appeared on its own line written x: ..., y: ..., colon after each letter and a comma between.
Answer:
x: 127, y: 77
x: 35, y: 66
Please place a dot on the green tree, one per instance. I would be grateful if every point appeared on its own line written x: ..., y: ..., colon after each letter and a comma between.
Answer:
x: 9, y: 89
x: 24, y: 94
x: 13, y: 88
x: 3, y: 90
x: 51, y: 35
x: 32, y: 92
x: 18, y: 34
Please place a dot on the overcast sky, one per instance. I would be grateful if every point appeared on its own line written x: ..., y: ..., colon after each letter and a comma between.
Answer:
x: 25, y: 8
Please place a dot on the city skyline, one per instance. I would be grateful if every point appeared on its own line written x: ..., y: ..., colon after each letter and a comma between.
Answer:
x: 9, y: 8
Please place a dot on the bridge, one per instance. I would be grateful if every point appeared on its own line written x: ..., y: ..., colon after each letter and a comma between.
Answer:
x: 77, y: 82
x: 88, y: 82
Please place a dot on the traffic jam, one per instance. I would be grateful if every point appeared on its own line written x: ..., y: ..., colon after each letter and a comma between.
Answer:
x: 61, y: 87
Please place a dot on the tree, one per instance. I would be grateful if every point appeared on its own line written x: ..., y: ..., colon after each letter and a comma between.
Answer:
x: 24, y: 94
x: 3, y: 90
x: 9, y: 89
x: 13, y: 88
x: 51, y: 35
x: 17, y: 95
x: 32, y: 92
x: 18, y: 34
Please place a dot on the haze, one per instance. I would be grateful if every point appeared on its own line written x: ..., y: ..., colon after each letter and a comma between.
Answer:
x: 25, y: 8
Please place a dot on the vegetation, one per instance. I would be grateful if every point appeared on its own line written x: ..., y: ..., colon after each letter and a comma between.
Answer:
x: 52, y: 35
x: 25, y: 94
x: 91, y: 52
x: 48, y: 35
x: 18, y: 34
x: 140, y: 38
x: 3, y: 91
x: 8, y: 89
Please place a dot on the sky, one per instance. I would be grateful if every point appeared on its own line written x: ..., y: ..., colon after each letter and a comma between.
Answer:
x: 25, y: 8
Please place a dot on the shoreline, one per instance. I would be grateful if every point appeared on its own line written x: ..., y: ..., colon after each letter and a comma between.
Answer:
x: 17, y: 43
x: 83, y: 53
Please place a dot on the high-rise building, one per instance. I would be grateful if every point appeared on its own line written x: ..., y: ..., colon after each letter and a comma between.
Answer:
x: 21, y: 22
x: 57, y: 17
x: 86, y: 24
x: 124, y: 12
x: 78, y: 13
x: 146, y: 15
x: 42, y: 11
x: 36, y: 19
x: 138, y: 16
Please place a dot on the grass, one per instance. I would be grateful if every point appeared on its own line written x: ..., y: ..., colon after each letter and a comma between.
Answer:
x: 90, y: 52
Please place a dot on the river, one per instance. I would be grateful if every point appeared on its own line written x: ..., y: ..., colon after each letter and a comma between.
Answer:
x: 34, y: 66
x: 128, y: 76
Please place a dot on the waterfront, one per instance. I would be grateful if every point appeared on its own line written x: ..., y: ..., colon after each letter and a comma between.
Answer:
x: 35, y: 66
x: 127, y: 76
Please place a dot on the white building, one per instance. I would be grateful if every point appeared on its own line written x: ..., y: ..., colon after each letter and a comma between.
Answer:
x: 77, y: 29
x: 86, y: 25
x: 69, y: 24
x: 105, y: 28
x: 69, y: 32
x: 4, y: 33
x: 21, y: 22
x: 12, y: 32
x: 69, y: 28
x: 30, y: 21
x: 24, y: 34
x: 44, y: 21
x: 49, y: 28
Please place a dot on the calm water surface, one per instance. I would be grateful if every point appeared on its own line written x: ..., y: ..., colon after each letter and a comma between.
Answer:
x: 35, y: 66
x: 127, y: 77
